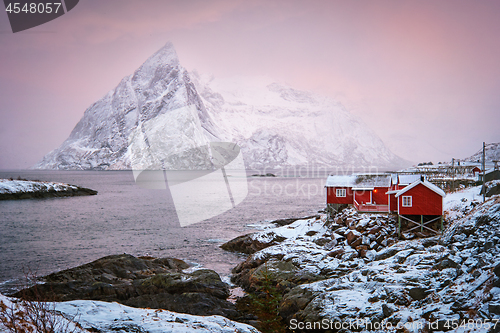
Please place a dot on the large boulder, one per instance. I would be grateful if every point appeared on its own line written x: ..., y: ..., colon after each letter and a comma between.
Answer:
x: 250, y: 244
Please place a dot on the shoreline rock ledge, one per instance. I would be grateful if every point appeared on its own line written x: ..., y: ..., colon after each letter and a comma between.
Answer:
x: 11, y: 189
x: 352, y: 269
x: 143, y: 282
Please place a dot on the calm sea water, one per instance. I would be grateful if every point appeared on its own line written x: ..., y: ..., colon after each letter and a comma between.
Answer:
x: 46, y: 235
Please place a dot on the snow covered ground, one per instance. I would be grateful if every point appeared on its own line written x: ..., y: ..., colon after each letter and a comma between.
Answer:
x: 458, y: 203
x: 97, y: 316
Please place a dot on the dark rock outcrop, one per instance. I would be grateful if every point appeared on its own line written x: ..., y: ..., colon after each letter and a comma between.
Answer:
x: 11, y: 189
x: 140, y: 282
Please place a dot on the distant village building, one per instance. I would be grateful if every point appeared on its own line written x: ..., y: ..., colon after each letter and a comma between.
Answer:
x: 449, y: 177
x: 475, y: 171
x: 491, y: 174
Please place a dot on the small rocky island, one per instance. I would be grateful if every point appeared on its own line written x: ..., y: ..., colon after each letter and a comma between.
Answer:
x: 13, y: 189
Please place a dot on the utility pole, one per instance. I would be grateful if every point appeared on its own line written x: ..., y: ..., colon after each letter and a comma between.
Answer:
x: 484, y: 171
x: 453, y: 174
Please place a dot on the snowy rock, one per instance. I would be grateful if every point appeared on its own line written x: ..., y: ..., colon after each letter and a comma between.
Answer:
x: 98, y: 316
x: 496, y: 270
x: 25, y: 189
x: 387, y: 310
x: 418, y: 293
x: 351, y: 236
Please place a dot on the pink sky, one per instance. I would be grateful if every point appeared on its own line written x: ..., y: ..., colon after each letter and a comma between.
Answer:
x: 425, y: 75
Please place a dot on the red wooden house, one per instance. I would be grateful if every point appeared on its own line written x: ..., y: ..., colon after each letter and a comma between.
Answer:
x: 339, y: 190
x: 367, y: 192
x: 414, y: 199
x: 420, y: 204
x: 398, y: 182
x: 370, y: 193
x: 476, y: 171
x: 420, y: 198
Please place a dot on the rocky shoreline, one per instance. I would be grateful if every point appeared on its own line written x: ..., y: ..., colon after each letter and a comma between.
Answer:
x: 317, y: 274
x: 354, y: 270
x: 11, y: 189
x: 144, y: 282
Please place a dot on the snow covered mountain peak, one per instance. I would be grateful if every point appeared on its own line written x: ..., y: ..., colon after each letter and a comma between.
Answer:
x: 103, y: 138
x: 157, y: 66
x: 274, y: 124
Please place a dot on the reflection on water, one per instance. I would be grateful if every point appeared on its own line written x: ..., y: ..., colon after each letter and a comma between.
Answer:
x: 44, y: 235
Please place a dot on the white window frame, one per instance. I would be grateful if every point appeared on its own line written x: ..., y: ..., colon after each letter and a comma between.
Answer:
x: 340, y: 193
x: 407, y: 201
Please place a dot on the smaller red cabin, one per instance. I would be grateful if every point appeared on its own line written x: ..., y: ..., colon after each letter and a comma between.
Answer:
x: 399, y: 182
x: 339, y: 190
x: 420, y: 198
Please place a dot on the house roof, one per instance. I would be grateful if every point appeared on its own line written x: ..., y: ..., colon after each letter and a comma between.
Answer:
x: 372, y: 180
x: 427, y: 184
x: 359, y: 181
x: 407, y: 179
x: 340, y: 181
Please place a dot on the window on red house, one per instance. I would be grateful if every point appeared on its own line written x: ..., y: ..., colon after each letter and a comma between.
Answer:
x: 406, y: 201
x: 340, y: 192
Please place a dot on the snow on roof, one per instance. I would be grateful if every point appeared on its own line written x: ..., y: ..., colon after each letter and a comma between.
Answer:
x: 340, y: 181
x: 407, y: 179
x: 426, y: 183
x: 490, y: 171
x: 365, y: 181
x: 373, y: 180
x: 468, y: 163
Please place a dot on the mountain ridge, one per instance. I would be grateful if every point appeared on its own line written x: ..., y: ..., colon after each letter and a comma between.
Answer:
x: 162, y: 110
x: 492, y: 153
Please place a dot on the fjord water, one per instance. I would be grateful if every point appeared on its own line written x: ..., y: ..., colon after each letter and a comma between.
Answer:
x: 46, y: 235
